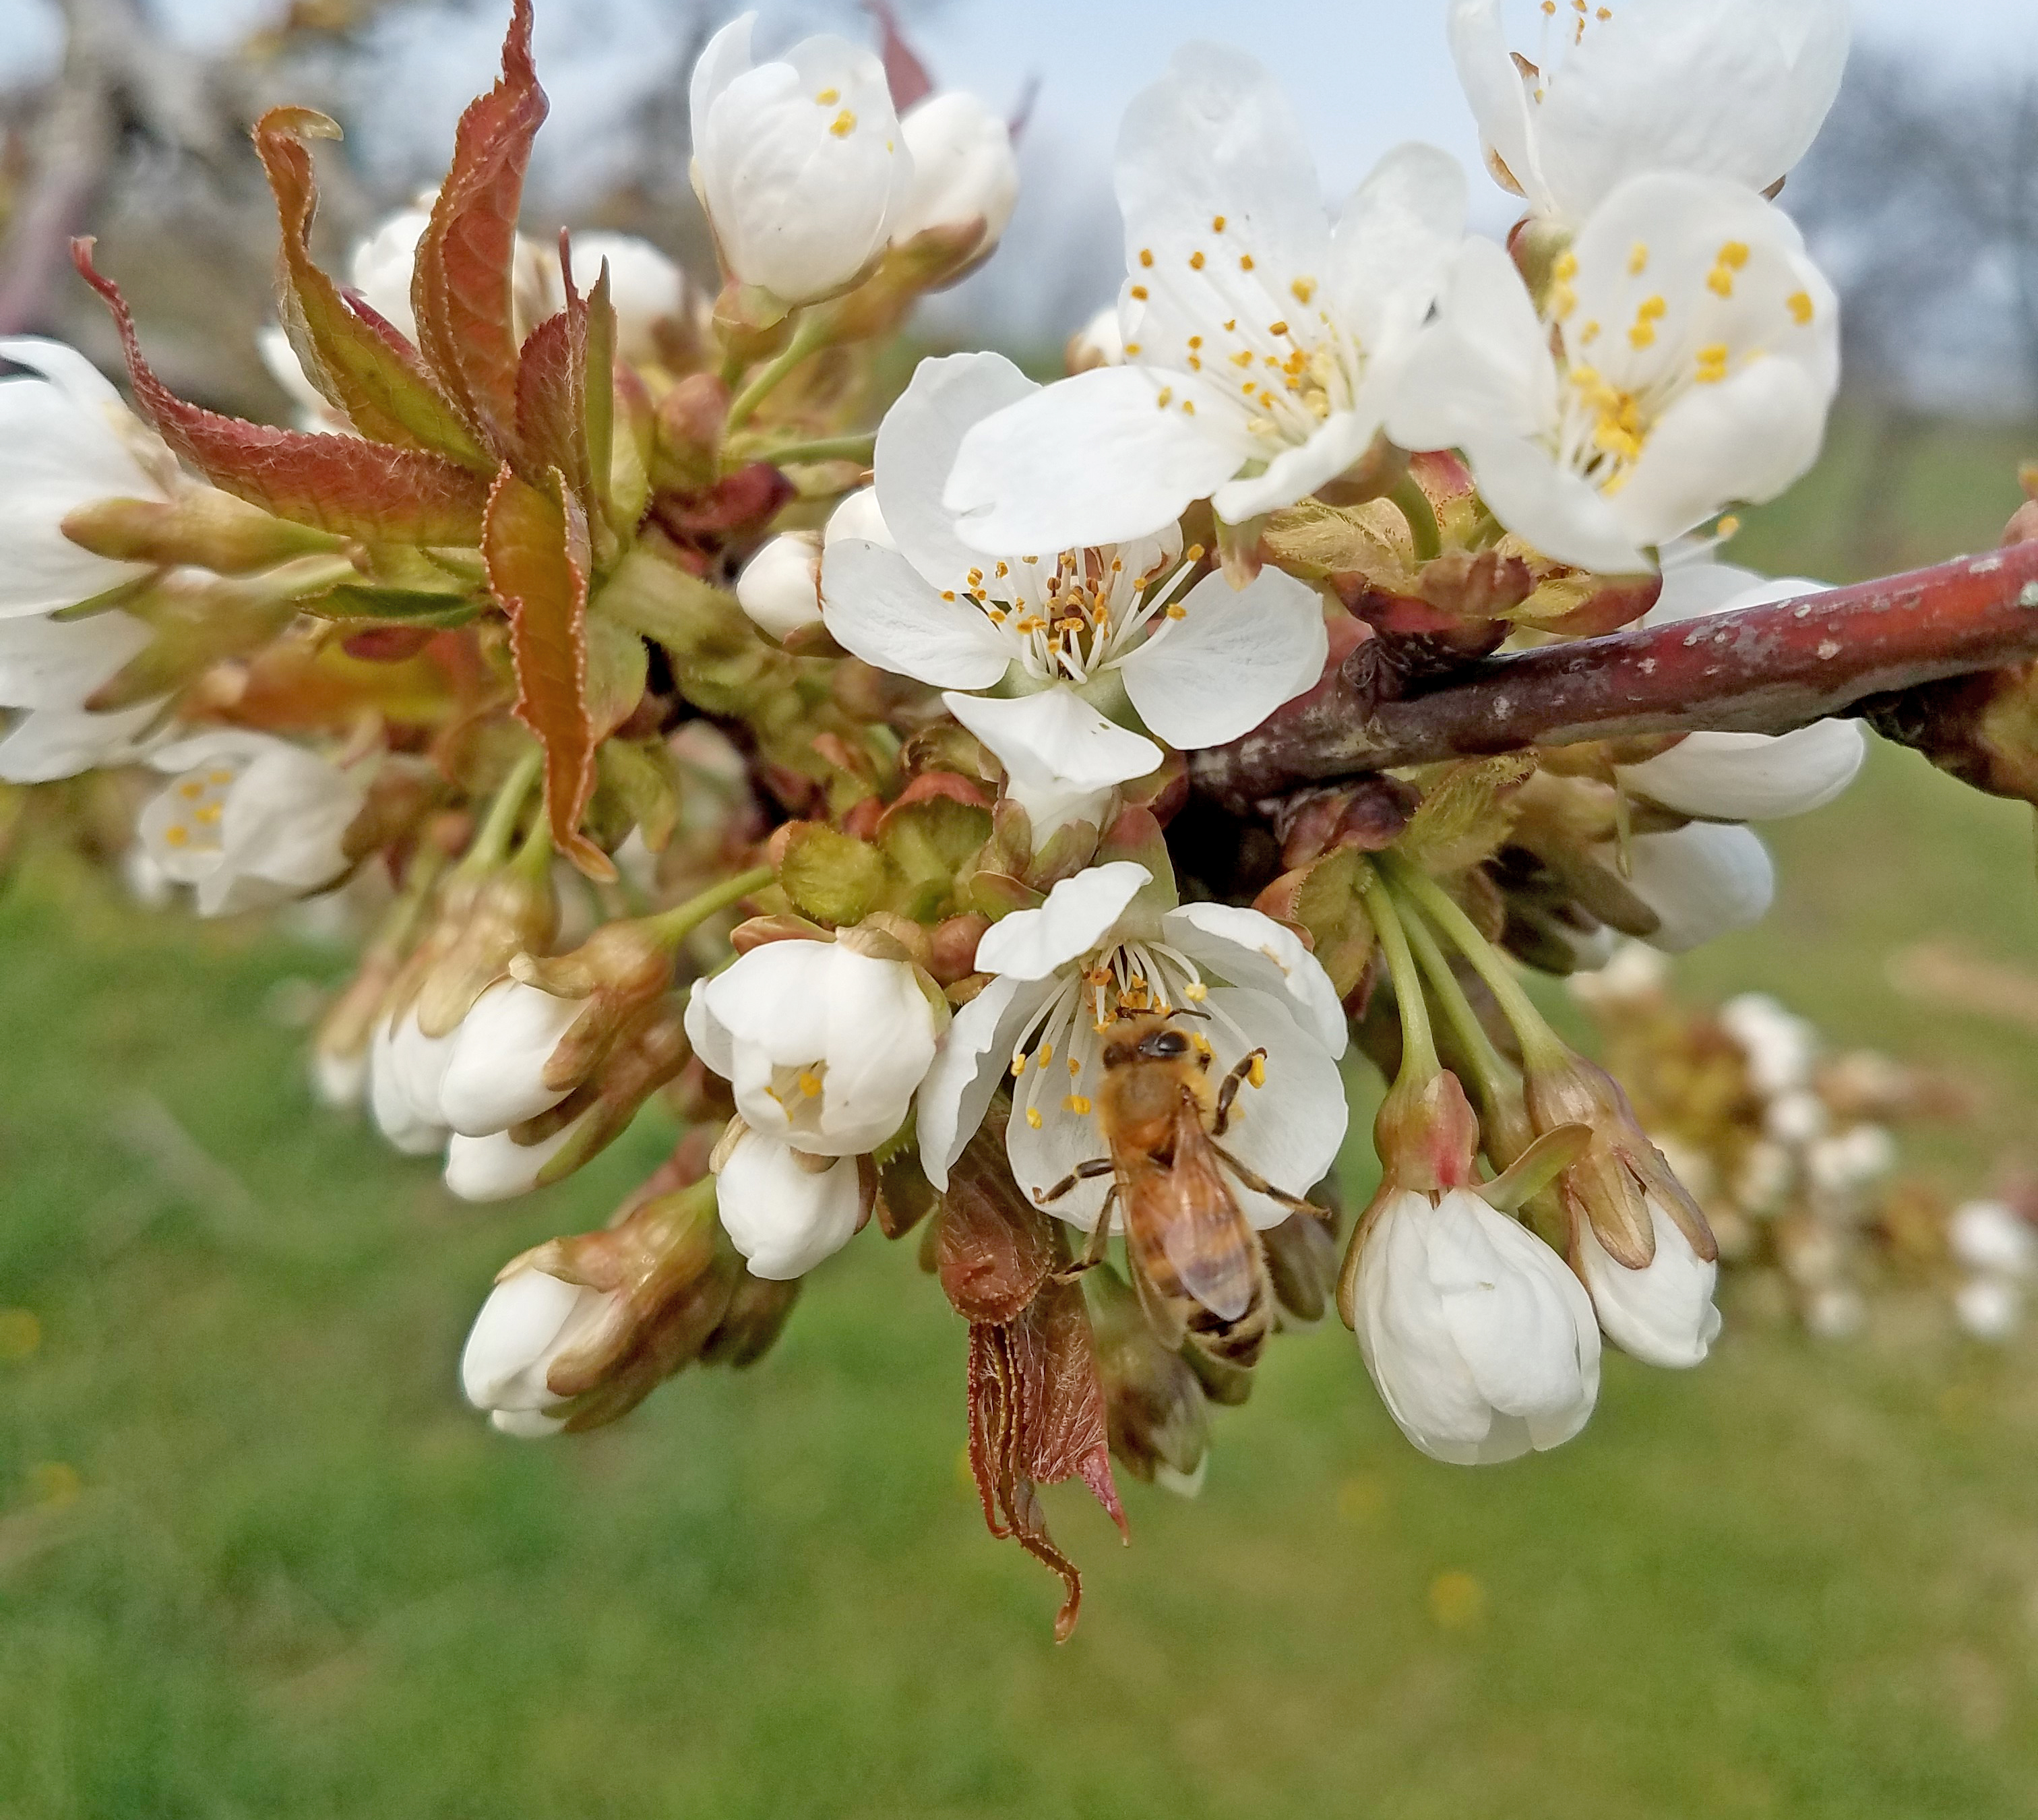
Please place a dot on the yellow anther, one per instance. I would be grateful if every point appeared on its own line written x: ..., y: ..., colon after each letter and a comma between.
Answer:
x: 1257, y: 1073
x: 1193, y: 553
x: 1638, y: 259
x: 1243, y: 358
x: 1245, y: 262
x: 1728, y: 526
x: 190, y: 792
x: 1075, y: 1067
x: 1712, y: 363
x: 810, y: 1084
x: 843, y: 124
x: 1078, y: 1104
x: 1132, y: 347
x: 1196, y: 991
x: 1189, y: 405
x: 176, y: 835
x: 1588, y: 335
x: 1033, y: 1116
x: 1734, y: 254
x: 1217, y: 224
x: 1167, y: 396
x: 1196, y: 261
x: 1720, y: 280
x: 219, y: 777
x: 1139, y: 291
x: 1019, y: 1064
x: 1280, y: 327
x: 1565, y: 267
x: 1302, y: 290
x: 206, y: 814
x: 1045, y: 1055
x: 1177, y: 611
x: 1800, y: 306
x: 828, y: 97
x: 1145, y: 256
x: 1651, y: 309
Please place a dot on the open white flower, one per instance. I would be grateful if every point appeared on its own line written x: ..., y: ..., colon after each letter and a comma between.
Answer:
x: 1780, y: 1046
x: 1481, y: 1341
x: 1733, y: 88
x: 963, y: 169
x: 1742, y: 776
x: 494, y: 1071
x: 67, y: 440
x: 1107, y: 943
x: 49, y: 668
x: 1662, y: 1314
x: 782, y: 1213
x: 1696, y: 352
x: 528, y: 1320
x: 822, y: 1046
x: 1066, y: 633
x: 800, y: 163
x: 1260, y: 342
x: 250, y: 820
x: 1703, y: 881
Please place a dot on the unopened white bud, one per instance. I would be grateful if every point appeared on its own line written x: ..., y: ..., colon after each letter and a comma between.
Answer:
x: 782, y: 1214
x: 497, y: 1167
x: 780, y: 587
x: 494, y: 1072
x: 527, y: 1321
x: 963, y: 169
x: 1100, y: 342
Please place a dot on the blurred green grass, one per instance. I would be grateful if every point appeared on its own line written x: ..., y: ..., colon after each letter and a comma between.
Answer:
x: 255, y: 1557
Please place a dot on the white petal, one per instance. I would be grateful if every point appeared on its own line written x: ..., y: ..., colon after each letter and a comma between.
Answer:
x: 51, y: 663
x: 1394, y: 243
x: 784, y: 1219
x: 1079, y: 914
x: 780, y: 587
x: 1703, y: 881
x: 497, y: 1167
x: 1298, y: 470
x: 1564, y: 516
x: 723, y: 58
x: 1751, y: 776
x: 389, y: 1101
x: 917, y: 445
x: 1245, y: 948
x: 645, y: 287
x: 1234, y: 657
x: 1055, y: 737
x: 1092, y: 460
x: 958, y: 1087
x: 383, y: 266
x: 963, y: 169
x: 1494, y: 87
x: 1662, y: 1314
x: 494, y: 1078
x: 1291, y: 1129
x: 880, y: 1042
x: 880, y: 608
x: 1483, y: 368
x: 514, y: 1337
x: 49, y: 743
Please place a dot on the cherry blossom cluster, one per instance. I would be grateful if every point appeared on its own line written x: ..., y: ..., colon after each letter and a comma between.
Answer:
x: 699, y: 730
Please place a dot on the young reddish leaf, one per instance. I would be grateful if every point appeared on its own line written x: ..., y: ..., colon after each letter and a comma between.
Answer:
x: 460, y: 287
x: 535, y: 546
x: 358, y: 361
x: 338, y: 484
x: 905, y: 75
x: 992, y: 1249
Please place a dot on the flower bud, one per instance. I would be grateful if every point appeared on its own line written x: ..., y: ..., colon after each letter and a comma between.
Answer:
x: 1482, y: 1344
x: 201, y: 526
x: 1155, y: 1411
x: 784, y: 1210
x: 800, y: 163
x: 648, y: 291
x: 963, y: 170
x: 412, y: 1128
x: 1099, y: 342
x: 1662, y: 1314
x: 1302, y: 1264
x: 495, y: 1076
x: 759, y: 1308
x: 858, y: 515
x: 530, y: 1319
x: 780, y: 587
x: 1621, y: 1182
x: 501, y: 1166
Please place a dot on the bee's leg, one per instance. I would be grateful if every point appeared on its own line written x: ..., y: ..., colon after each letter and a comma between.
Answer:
x: 1083, y: 1172
x: 1259, y: 1184
x: 1100, y: 1241
x: 1228, y: 1091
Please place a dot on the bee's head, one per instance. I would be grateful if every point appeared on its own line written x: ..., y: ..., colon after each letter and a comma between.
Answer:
x: 1144, y: 1040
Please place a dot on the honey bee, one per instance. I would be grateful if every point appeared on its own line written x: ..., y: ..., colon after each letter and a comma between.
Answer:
x: 1196, y: 1262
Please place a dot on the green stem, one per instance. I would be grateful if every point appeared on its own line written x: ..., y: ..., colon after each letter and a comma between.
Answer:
x: 534, y: 858
x: 1541, y: 1045
x: 1493, y: 1072
x: 807, y: 335
x: 1419, y: 1047
x: 1413, y: 503
x: 858, y: 448
x: 676, y: 924
x: 491, y: 841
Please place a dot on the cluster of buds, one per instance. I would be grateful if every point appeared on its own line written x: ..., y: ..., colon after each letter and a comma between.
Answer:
x: 845, y: 784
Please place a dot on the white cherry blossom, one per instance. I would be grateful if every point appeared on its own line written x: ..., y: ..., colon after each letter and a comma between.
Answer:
x: 781, y: 1211
x: 1066, y: 634
x: 1260, y: 341
x: 493, y: 1076
x: 1663, y: 1314
x: 1696, y: 351
x: 1108, y: 941
x: 799, y: 162
x: 404, y: 1070
x: 249, y: 820
x: 1733, y: 88
x: 822, y: 1045
x: 1703, y: 881
x: 1989, y: 1236
x: 964, y: 168
x: 1482, y: 1343
x: 497, y: 1166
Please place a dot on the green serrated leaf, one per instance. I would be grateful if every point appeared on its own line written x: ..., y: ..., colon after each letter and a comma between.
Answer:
x: 1466, y: 813
x: 646, y: 794
x: 394, y: 605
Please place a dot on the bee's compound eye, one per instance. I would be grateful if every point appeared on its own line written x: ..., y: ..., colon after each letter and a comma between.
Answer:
x: 1165, y: 1046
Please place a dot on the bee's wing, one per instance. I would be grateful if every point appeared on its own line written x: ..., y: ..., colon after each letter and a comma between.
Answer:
x: 1187, y: 1207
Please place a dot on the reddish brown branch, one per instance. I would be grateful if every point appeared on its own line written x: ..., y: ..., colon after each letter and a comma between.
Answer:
x: 1765, y: 669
